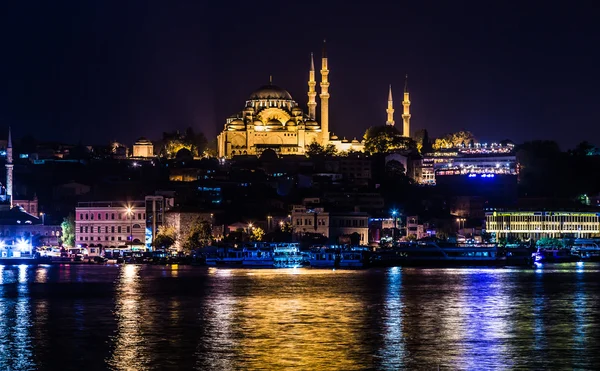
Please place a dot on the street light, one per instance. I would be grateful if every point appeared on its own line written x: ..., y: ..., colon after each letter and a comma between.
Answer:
x: 460, y: 220
x: 129, y: 211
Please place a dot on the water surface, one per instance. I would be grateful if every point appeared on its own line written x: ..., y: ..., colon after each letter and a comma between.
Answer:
x: 79, y: 317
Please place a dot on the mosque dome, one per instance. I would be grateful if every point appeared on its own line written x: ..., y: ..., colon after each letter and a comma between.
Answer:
x: 270, y: 92
x: 291, y: 123
x: 311, y: 123
x: 296, y: 111
x: 334, y: 137
x: 236, y: 124
x: 355, y: 141
x: 274, y: 124
x: 257, y: 123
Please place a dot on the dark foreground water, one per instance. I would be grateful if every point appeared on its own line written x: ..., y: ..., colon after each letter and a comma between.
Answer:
x: 160, y: 318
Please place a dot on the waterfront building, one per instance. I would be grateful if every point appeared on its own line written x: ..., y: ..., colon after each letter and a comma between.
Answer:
x: 312, y: 218
x: 271, y: 119
x: 110, y: 224
x: 21, y: 231
x: 540, y: 224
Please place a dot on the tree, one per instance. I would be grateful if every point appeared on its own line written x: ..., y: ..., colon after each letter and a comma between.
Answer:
x: 315, y: 150
x: 257, y: 234
x: 422, y: 140
x: 165, y: 237
x: 173, y: 142
x: 549, y: 242
x: 584, y: 148
x: 385, y: 139
x: 453, y: 140
x: 395, y: 169
x: 199, y: 235
x: 355, y: 239
x: 68, y: 231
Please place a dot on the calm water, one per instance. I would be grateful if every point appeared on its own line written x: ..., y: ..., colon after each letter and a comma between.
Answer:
x: 159, y: 318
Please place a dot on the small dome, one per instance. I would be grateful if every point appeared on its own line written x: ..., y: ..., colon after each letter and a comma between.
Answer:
x: 355, y: 141
x: 274, y: 124
x: 257, y: 123
x: 334, y: 137
x: 270, y: 92
x: 311, y: 123
x: 296, y: 111
x: 291, y: 123
x: 236, y: 124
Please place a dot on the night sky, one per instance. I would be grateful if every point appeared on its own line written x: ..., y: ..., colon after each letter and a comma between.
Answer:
x: 92, y: 71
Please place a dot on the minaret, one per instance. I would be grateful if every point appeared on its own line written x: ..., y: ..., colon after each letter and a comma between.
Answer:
x: 324, y: 97
x: 312, y: 93
x: 406, y: 112
x: 390, y: 109
x: 9, y: 169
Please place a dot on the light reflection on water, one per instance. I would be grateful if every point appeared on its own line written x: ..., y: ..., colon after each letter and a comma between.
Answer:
x: 141, y: 317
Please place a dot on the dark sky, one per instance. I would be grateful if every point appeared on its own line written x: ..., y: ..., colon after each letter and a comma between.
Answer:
x: 101, y: 70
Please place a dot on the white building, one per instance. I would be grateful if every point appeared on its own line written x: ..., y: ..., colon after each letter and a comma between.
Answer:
x: 143, y: 148
x: 540, y: 224
x: 110, y: 224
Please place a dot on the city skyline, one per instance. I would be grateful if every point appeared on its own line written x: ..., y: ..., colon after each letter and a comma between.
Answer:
x: 95, y: 72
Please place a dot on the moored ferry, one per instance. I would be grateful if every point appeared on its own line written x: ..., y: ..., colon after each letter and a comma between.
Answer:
x: 554, y: 255
x: 586, y: 249
x: 338, y: 257
x: 432, y: 253
x: 257, y: 255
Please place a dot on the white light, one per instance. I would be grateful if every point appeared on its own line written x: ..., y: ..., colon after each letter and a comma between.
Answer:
x: 22, y: 244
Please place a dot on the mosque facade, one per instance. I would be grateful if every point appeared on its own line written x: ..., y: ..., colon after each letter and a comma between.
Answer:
x: 271, y: 119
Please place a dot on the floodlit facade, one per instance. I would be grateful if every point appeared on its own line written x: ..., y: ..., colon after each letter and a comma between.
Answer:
x: 536, y: 225
x: 477, y: 161
x: 271, y: 119
x: 143, y: 148
x: 110, y: 224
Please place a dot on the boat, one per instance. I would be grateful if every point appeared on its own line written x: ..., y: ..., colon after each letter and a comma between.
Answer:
x: 554, y: 255
x: 586, y: 249
x: 337, y: 257
x: 288, y: 255
x: 517, y: 255
x: 433, y: 253
x: 225, y: 256
x: 257, y: 255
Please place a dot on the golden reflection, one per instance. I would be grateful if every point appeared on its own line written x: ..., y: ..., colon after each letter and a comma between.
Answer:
x: 129, y: 339
x: 41, y: 275
x: 274, y: 324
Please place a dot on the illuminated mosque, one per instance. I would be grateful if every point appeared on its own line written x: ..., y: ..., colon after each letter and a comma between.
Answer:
x: 271, y: 119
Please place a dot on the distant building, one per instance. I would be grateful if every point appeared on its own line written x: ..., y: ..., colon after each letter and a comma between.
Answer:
x: 20, y: 230
x: 475, y: 161
x: 271, y: 119
x: 311, y: 219
x: 540, y: 224
x: 109, y: 224
x: 143, y: 148
x: 29, y: 206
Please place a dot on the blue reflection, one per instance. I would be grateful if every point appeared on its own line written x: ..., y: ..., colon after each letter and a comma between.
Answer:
x: 16, y: 348
x: 393, y: 351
